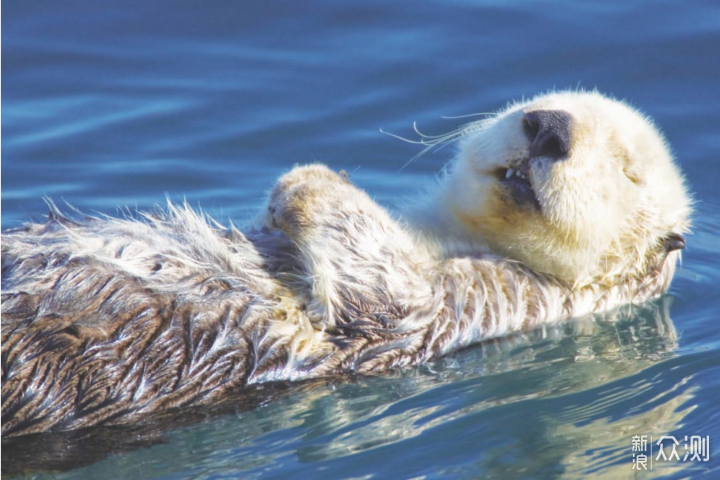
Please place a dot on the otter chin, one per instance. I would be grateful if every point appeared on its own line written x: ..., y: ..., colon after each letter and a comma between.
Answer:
x: 561, y: 206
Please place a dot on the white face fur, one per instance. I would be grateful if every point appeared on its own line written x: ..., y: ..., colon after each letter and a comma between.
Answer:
x: 573, y: 184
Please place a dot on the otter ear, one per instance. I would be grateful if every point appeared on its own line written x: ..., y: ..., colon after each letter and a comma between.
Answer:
x: 674, y: 241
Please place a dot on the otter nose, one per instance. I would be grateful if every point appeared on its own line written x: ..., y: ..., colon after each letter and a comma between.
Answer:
x: 549, y: 133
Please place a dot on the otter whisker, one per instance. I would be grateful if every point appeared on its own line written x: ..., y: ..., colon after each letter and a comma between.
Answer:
x: 479, y: 114
x: 433, y: 142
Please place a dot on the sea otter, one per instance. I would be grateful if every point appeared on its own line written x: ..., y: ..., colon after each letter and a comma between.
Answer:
x: 559, y: 206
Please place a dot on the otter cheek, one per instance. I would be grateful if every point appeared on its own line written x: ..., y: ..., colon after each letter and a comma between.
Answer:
x: 617, y: 198
x: 511, y: 228
x: 491, y: 216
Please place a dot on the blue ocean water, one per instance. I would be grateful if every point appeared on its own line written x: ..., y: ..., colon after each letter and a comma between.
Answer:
x: 120, y: 104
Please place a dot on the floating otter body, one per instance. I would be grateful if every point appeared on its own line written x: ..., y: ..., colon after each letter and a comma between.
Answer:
x: 557, y: 207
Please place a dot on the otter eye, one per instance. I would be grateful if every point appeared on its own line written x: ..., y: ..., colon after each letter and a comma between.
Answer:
x: 630, y: 176
x: 628, y: 170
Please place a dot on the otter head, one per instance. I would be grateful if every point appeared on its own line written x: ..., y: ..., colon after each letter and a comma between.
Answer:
x: 575, y: 185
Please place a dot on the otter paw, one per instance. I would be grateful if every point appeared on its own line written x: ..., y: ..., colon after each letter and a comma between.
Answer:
x: 303, y: 197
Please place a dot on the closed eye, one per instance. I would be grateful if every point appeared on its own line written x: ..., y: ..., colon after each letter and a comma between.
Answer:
x: 632, y: 177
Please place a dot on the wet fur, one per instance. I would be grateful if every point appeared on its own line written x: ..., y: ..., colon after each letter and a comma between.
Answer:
x: 105, y: 320
x: 604, y: 347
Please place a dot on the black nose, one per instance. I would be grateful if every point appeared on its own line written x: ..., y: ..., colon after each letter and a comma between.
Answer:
x: 549, y: 133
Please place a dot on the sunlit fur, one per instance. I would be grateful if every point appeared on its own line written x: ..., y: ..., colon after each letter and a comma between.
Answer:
x: 105, y: 320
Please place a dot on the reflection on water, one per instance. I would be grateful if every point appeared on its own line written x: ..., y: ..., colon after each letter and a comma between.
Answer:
x: 606, y: 445
x: 577, y: 383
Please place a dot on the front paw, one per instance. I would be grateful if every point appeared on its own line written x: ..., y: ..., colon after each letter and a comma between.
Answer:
x: 303, y: 197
